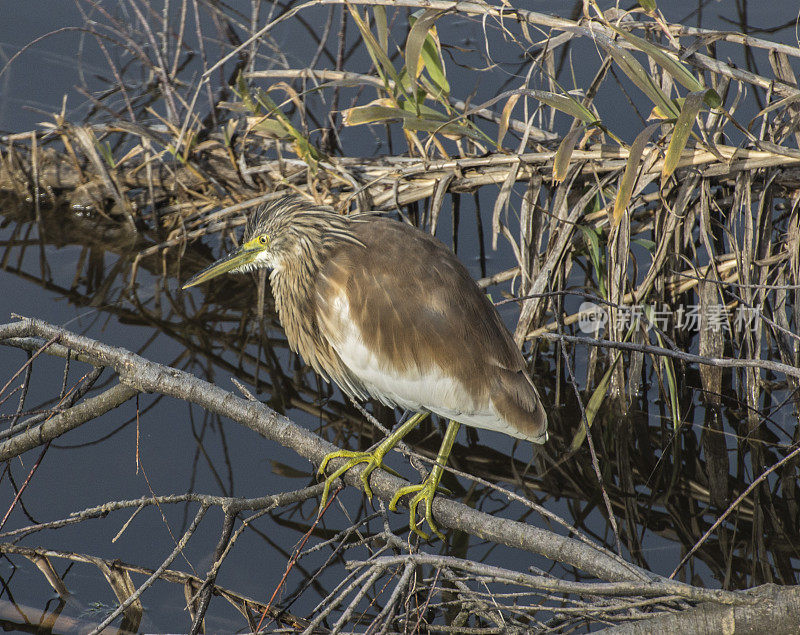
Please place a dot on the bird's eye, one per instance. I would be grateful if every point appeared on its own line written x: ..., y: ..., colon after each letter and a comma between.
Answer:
x: 262, y: 239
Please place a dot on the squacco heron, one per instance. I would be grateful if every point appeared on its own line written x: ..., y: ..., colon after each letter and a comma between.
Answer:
x: 387, y: 311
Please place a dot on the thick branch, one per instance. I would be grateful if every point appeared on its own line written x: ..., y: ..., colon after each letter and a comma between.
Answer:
x: 146, y: 376
x: 774, y: 609
x: 66, y: 421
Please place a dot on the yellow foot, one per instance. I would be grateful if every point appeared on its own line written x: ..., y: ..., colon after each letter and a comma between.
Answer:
x: 373, y: 460
x: 425, y: 492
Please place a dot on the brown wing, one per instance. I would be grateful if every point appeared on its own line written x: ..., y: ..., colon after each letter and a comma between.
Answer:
x: 414, y: 303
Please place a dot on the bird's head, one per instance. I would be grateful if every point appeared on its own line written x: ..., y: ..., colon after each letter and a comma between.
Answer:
x: 274, y: 231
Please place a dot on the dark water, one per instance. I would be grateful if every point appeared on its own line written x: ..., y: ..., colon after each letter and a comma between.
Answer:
x: 74, y: 269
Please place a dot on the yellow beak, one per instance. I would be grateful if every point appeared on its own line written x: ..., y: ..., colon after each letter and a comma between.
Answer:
x: 240, y: 257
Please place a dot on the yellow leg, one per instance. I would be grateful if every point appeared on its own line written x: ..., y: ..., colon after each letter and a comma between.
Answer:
x: 373, y: 459
x: 427, y: 490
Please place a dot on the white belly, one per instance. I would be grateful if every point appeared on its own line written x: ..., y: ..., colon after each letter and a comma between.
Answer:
x: 418, y: 390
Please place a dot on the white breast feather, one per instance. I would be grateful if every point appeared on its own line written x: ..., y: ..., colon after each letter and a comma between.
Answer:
x: 431, y: 390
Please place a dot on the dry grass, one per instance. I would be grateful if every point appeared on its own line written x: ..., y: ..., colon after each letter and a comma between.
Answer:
x: 693, y: 204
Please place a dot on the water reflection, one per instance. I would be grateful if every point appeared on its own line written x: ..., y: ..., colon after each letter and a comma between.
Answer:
x: 666, y: 488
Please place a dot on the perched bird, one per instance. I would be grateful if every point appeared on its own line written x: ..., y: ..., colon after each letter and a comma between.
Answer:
x: 387, y: 311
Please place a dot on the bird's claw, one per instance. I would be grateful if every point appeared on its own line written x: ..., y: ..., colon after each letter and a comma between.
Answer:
x: 374, y: 461
x: 424, y: 492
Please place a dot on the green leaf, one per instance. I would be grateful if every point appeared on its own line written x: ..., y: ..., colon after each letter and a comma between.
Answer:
x: 564, y: 103
x: 416, y: 38
x: 243, y: 91
x: 628, y: 180
x: 432, y: 58
x: 669, y: 370
x: 636, y: 73
x: 670, y: 63
x: 228, y: 130
x: 381, y: 60
x: 680, y: 134
x: 105, y: 151
x: 372, y: 113
x: 677, y: 104
x: 454, y: 129
x: 382, y: 27
x: 593, y: 407
x: 270, y: 127
x: 378, y: 110
x: 418, y: 109
x: 304, y: 149
x: 592, y: 238
x: 712, y: 99
x: 648, y: 244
